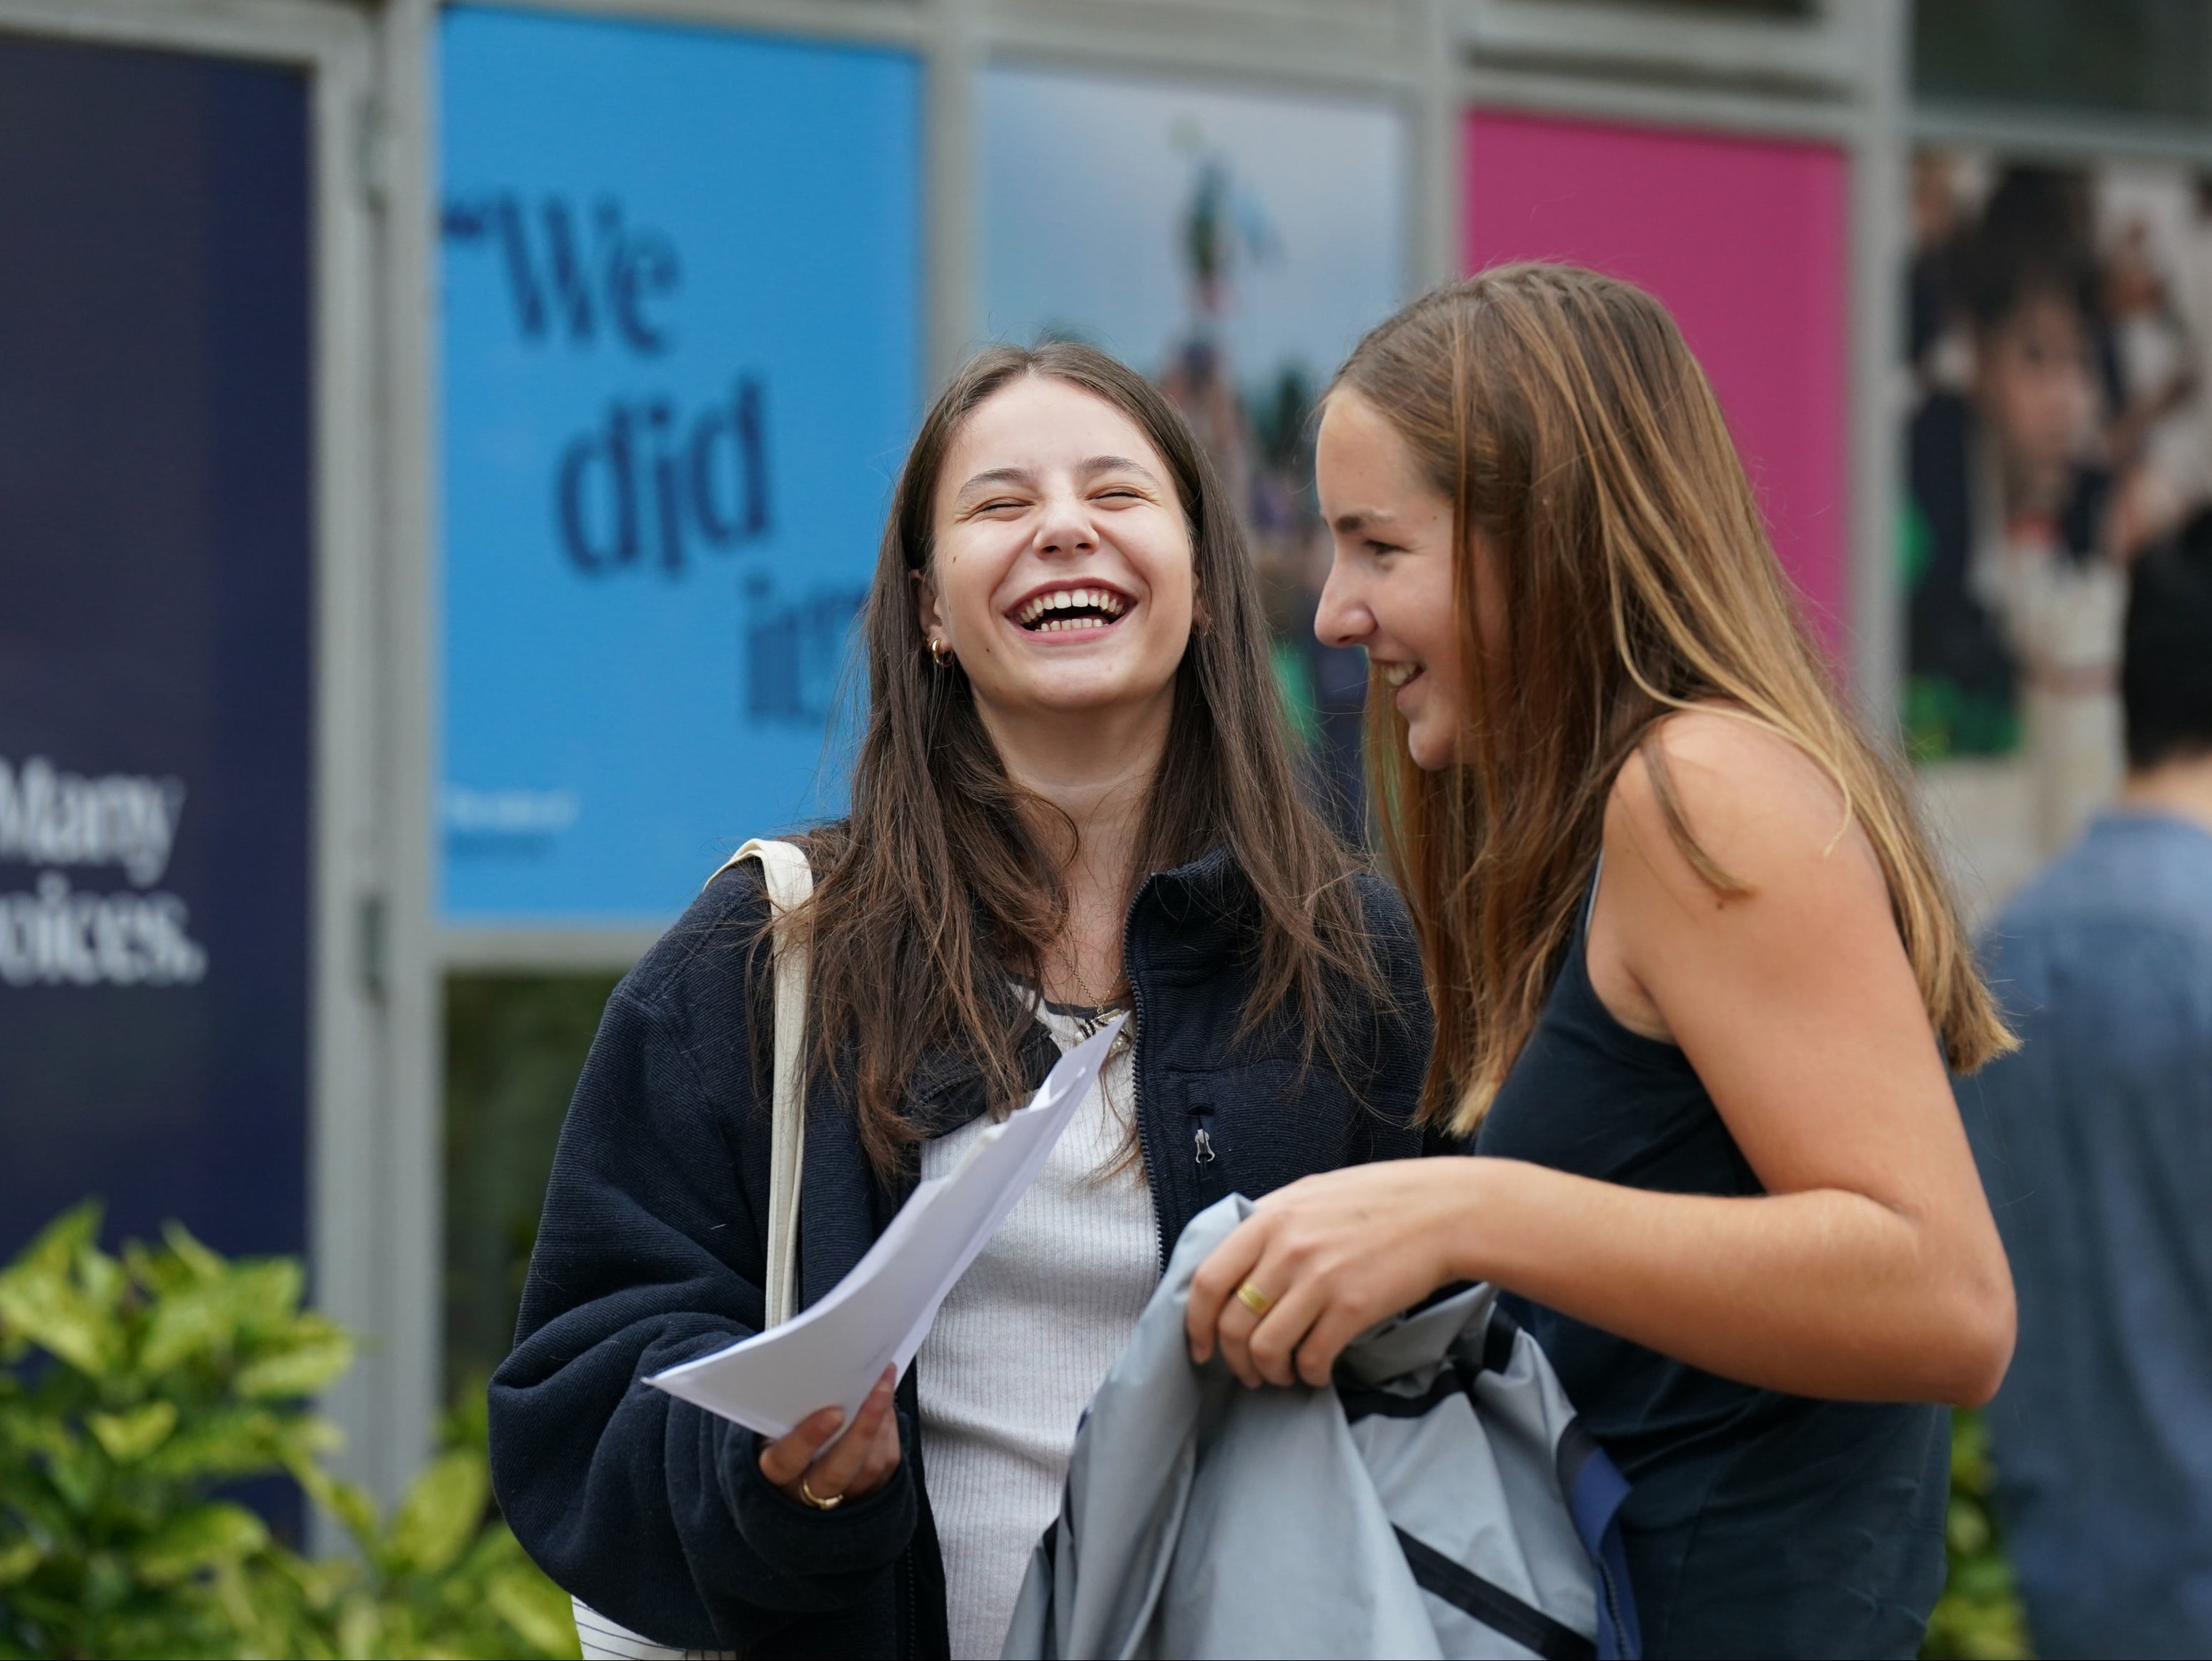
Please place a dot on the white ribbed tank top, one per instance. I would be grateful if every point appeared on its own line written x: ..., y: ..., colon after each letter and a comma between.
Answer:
x: 1023, y: 1342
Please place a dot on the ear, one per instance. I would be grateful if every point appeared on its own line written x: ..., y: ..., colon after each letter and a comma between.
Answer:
x: 926, y: 605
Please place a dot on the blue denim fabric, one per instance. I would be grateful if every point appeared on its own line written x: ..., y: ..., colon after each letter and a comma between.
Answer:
x: 2095, y: 1144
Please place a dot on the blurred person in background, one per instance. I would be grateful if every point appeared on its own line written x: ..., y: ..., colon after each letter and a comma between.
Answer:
x: 1696, y: 977
x: 2095, y: 1142
x: 2014, y: 585
x: 1073, y: 795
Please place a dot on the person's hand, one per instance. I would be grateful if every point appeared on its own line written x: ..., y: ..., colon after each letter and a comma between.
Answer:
x: 1327, y: 1259
x: 860, y: 1464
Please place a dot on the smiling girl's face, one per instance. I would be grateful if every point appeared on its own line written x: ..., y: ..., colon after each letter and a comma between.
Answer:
x: 1063, y: 572
x: 1392, y: 588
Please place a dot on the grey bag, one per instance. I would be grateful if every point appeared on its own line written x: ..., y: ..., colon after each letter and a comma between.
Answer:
x: 1440, y: 1498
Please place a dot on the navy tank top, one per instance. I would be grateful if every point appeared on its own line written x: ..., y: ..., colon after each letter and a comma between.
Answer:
x: 1757, y: 1523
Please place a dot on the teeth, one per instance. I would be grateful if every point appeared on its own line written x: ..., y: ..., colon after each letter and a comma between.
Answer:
x: 1099, y: 599
x: 1395, y: 675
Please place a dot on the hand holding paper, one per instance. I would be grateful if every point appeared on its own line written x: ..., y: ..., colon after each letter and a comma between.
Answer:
x: 878, y: 1315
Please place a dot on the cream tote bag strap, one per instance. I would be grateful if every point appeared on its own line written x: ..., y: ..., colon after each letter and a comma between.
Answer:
x: 790, y: 882
x: 790, y: 885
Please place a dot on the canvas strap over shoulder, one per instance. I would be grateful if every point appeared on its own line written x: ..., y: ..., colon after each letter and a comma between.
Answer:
x: 790, y: 882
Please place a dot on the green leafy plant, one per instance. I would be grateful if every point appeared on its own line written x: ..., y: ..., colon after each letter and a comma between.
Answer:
x: 134, y: 1389
x: 1979, y: 1616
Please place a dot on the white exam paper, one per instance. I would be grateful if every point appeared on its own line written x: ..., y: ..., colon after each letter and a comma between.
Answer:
x: 878, y: 1315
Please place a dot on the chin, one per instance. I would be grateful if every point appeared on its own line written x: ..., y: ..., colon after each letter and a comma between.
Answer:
x: 1083, y: 696
x: 1431, y: 753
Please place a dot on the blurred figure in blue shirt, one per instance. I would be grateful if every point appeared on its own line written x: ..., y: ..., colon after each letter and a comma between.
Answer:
x: 2095, y: 1142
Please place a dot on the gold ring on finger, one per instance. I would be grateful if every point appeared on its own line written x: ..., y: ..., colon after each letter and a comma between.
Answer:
x: 1254, y: 1299
x: 820, y: 1502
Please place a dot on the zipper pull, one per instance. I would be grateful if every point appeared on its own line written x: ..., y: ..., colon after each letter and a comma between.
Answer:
x: 1204, y: 1146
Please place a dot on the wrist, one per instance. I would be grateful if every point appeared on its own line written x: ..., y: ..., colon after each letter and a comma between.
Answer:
x: 1465, y: 1202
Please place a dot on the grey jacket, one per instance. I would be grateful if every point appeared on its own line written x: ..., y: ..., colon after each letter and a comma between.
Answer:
x: 1439, y: 1499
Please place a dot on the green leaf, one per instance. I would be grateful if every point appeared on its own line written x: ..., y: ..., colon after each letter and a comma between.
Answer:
x: 199, y: 1539
x: 221, y: 1445
x: 441, y: 1512
x: 78, y: 1475
x: 303, y: 1370
x: 101, y: 1281
x: 56, y: 1245
x: 130, y: 1437
x: 200, y: 1320
x: 205, y: 1265
x: 538, y: 1610
x: 47, y: 1308
x: 18, y: 1558
x: 347, y: 1502
x: 360, y: 1627
x: 267, y: 1291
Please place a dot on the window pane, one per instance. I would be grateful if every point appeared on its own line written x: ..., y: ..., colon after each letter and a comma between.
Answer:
x: 2132, y: 57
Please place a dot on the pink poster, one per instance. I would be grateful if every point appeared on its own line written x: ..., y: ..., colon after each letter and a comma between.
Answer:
x: 1748, y: 242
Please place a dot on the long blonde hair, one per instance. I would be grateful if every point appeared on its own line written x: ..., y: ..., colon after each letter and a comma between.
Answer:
x: 1561, y: 412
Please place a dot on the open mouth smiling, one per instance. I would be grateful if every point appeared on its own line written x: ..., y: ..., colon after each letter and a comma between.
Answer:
x: 1077, y: 608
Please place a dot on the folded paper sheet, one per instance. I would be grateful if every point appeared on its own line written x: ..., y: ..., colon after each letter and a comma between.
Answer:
x: 877, y: 1315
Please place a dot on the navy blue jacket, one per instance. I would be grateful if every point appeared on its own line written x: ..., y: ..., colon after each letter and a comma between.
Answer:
x: 653, y: 1250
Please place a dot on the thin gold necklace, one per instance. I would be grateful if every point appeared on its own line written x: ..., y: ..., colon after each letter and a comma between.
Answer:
x: 1094, y: 1022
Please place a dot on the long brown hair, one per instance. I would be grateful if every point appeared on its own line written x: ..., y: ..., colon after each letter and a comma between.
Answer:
x: 937, y: 886
x: 1563, y: 415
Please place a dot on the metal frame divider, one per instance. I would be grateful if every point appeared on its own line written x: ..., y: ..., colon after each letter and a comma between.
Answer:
x: 398, y: 1273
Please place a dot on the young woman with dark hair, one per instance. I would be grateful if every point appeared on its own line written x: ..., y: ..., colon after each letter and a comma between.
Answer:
x: 1696, y: 978
x: 1071, y: 795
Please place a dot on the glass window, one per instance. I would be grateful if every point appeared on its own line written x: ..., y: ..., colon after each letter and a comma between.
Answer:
x: 2151, y: 57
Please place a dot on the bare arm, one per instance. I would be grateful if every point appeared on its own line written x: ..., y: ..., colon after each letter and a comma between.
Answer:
x: 1870, y: 1269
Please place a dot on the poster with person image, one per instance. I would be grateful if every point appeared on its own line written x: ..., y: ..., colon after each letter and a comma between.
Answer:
x: 2059, y: 337
x: 1234, y: 245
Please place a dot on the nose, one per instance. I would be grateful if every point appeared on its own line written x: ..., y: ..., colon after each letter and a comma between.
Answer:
x: 1343, y: 618
x: 1065, y: 527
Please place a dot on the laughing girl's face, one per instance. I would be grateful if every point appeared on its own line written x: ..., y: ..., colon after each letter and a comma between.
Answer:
x: 1062, y: 575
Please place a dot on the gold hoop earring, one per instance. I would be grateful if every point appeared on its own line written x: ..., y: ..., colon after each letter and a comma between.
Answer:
x: 940, y: 653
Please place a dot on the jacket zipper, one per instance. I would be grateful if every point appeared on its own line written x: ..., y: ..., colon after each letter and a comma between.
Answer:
x: 1203, y: 1153
x: 1612, y: 1596
x: 912, y: 1600
x: 1155, y: 1172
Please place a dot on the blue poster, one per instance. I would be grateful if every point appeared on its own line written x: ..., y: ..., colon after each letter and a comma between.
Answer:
x: 681, y: 350
x: 156, y: 675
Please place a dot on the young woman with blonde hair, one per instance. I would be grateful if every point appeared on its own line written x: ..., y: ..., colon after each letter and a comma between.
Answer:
x: 1696, y: 978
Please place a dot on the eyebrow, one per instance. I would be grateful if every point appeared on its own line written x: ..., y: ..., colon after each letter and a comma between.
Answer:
x: 1358, y: 519
x: 1098, y: 465
x: 995, y: 476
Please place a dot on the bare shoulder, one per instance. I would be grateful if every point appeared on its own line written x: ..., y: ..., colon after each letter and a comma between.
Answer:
x: 1757, y: 806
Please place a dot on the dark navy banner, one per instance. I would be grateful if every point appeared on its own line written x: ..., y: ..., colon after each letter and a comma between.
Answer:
x: 156, y: 679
